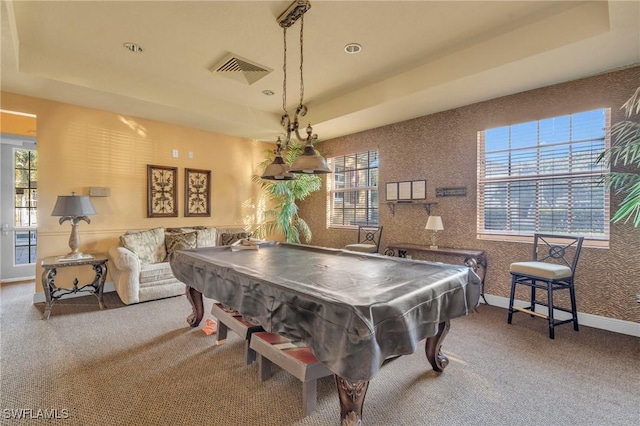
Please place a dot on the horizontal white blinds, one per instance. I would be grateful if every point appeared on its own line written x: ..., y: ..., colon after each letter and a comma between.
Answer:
x: 541, y: 176
x: 353, y: 189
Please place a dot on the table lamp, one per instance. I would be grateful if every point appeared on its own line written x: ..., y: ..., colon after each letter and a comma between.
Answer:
x: 434, y: 224
x: 74, y: 209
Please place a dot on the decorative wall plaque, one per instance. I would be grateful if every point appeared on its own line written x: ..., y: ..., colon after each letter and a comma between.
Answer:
x: 197, y: 192
x: 162, y: 194
x: 455, y: 191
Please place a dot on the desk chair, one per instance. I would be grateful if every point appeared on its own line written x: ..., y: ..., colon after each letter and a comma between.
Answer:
x: 553, y: 267
x: 368, y: 239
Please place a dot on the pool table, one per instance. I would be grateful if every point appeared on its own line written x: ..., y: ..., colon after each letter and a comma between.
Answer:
x: 354, y: 310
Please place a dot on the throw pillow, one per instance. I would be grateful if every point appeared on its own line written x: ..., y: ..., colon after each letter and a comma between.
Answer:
x: 227, y: 239
x: 180, y: 241
x: 207, y: 235
x: 148, y: 245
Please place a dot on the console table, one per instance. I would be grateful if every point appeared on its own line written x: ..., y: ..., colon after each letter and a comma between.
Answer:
x: 472, y: 258
x: 53, y: 293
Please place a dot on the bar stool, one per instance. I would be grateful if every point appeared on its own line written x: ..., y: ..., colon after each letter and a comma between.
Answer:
x: 553, y: 267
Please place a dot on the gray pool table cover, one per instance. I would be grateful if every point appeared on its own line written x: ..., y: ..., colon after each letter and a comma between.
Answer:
x: 353, y: 310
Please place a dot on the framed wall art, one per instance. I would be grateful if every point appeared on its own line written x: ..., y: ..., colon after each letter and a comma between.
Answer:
x: 418, y: 189
x: 162, y: 191
x: 404, y: 190
x: 197, y: 192
x: 392, y: 191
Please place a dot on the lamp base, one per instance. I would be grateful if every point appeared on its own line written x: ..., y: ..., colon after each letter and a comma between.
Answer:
x: 74, y: 256
x: 433, y: 247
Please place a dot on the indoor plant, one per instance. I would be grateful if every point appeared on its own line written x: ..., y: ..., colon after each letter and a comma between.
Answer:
x: 625, y: 153
x: 283, y: 217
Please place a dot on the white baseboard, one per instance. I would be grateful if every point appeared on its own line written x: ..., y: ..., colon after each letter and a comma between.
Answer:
x: 588, y: 320
x: 108, y: 287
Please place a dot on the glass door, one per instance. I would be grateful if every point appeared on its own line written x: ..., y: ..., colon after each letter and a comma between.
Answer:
x: 19, y: 195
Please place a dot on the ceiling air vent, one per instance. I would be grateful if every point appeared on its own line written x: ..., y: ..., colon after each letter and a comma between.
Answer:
x: 240, y: 69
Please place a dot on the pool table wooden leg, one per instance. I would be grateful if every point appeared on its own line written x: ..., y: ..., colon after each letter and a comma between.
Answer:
x: 351, y: 396
x: 195, y: 298
x: 432, y: 347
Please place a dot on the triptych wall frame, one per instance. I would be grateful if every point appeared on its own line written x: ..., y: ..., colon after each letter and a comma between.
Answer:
x: 162, y: 192
x: 406, y: 191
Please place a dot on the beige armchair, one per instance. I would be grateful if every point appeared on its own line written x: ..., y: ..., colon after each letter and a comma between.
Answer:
x: 140, y: 267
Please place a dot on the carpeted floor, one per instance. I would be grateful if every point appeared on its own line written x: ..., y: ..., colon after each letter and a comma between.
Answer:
x: 142, y: 365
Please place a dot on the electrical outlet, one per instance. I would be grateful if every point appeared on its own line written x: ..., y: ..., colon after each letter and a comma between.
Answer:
x: 190, y: 154
x: 175, y: 153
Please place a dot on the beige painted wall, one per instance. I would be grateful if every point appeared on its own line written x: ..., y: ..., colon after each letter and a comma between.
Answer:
x: 16, y: 124
x: 81, y: 147
x: 441, y: 148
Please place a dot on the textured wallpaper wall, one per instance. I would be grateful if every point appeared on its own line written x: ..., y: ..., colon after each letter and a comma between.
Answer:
x: 441, y: 148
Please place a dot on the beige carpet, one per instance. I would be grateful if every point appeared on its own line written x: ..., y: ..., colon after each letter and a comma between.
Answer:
x: 142, y: 365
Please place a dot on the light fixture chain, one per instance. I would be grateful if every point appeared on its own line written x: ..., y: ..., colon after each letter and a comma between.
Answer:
x: 301, y: 59
x: 284, y: 69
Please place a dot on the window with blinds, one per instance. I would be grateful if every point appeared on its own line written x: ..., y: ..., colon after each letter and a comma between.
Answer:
x: 352, y: 189
x: 541, y: 176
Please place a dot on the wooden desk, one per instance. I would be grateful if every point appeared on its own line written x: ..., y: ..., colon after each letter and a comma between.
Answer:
x: 53, y: 293
x: 472, y: 258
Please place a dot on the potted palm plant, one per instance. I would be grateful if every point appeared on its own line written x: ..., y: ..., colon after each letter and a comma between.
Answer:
x: 625, y: 154
x: 283, y: 218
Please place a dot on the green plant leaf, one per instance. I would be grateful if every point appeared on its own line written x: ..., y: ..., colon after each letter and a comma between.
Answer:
x: 625, y: 152
x: 630, y: 207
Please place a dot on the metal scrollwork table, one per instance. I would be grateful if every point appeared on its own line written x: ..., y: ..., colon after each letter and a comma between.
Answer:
x: 472, y: 258
x: 52, y: 292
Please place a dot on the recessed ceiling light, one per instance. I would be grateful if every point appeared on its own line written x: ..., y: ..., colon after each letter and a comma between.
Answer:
x: 135, y: 48
x: 353, y: 48
x: 268, y: 92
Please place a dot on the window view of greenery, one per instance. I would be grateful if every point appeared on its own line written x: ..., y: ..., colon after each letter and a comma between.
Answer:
x: 354, y: 189
x: 541, y: 176
x: 25, y: 204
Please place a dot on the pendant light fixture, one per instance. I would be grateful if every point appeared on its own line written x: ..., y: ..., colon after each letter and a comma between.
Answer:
x: 309, y: 161
x: 278, y: 170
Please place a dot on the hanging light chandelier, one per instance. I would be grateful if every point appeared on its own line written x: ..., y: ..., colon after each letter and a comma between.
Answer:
x: 309, y: 161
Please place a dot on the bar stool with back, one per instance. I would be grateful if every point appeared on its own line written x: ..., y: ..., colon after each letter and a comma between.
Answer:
x: 368, y: 239
x: 553, y: 267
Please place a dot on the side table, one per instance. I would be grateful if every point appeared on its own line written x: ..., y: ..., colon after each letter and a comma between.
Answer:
x: 472, y: 258
x: 52, y: 293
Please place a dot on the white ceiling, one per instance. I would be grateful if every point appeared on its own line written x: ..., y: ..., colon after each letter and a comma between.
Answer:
x: 418, y: 57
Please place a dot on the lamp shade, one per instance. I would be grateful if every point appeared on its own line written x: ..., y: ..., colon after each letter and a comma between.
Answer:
x: 310, y: 162
x: 73, y: 205
x: 434, y: 224
x: 277, y: 170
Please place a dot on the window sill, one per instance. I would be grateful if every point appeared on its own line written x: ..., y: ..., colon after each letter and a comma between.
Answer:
x: 591, y: 243
x: 343, y: 227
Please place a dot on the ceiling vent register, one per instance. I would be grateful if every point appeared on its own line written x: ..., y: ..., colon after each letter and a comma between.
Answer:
x: 240, y: 69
